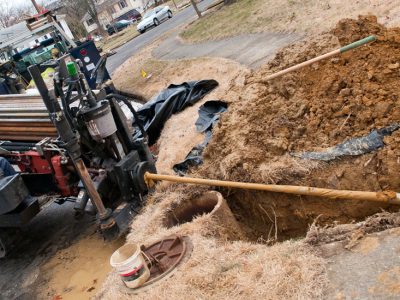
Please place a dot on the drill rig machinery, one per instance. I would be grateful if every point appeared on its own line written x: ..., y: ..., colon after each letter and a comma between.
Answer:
x: 106, y: 149
x: 100, y: 143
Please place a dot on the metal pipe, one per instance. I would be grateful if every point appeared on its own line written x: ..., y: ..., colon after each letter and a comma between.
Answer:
x: 37, y: 7
x: 90, y: 188
x: 386, y: 196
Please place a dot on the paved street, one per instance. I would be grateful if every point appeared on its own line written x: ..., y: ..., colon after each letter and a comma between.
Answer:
x: 251, y: 50
x: 130, y: 48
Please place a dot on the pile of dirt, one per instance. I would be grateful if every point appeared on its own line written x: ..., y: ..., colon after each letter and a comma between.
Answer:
x: 314, y: 108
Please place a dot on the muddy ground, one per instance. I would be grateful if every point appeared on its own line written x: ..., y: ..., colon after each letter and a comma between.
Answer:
x: 57, y: 257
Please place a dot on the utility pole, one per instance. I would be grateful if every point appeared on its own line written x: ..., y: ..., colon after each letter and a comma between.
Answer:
x: 195, y: 8
x: 37, y: 7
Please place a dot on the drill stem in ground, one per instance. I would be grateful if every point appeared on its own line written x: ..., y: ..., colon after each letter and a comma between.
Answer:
x: 386, y: 196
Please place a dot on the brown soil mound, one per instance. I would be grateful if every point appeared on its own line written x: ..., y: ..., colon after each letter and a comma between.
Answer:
x: 319, y: 106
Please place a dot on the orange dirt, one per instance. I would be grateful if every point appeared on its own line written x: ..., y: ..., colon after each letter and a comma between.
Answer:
x: 78, y: 271
x: 316, y: 107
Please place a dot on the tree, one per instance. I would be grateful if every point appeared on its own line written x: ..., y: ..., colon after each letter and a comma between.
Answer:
x: 10, y: 14
x: 196, y: 8
x: 74, y: 13
x: 6, y: 14
x: 90, y: 7
x: 75, y: 10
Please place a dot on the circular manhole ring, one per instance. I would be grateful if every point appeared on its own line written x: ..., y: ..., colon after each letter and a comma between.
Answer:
x: 169, y: 253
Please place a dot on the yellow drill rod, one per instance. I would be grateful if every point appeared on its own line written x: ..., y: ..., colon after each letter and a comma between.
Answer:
x: 386, y: 196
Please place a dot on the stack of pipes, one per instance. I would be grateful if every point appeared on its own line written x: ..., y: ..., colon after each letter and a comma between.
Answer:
x: 24, y: 118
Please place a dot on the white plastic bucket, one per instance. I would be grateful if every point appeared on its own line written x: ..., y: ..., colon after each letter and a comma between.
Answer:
x: 130, y: 265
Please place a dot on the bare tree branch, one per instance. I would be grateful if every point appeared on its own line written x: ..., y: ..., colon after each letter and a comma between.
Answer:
x: 10, y: 14
x: 91, y: 9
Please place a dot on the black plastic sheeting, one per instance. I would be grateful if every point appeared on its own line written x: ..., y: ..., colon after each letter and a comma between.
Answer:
x: 209, y: 114
x: 353, y: 147
x: 174, y: 99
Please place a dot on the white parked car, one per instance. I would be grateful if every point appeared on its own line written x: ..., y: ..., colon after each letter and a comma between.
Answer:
x: 154, y: 17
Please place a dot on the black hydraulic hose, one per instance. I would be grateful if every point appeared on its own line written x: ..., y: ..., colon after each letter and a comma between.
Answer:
x: 16, y: 148
x: 71, y: 87
x: 135, y: 114
x: 12, y: 143
x: 64, y: 102
x: 137, y: 97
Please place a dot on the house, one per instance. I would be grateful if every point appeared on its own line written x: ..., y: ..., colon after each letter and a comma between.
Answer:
x: 55, y: 6
x: 17, y: 34
x: 112, y: 10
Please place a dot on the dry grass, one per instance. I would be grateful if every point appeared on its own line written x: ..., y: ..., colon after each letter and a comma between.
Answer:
x: 352, y: 233
x: 285, y: 169
x: 118, y: 39
x: 302, y: 16
x: 220, y: 270
x: 163, y: 73
x: 222, y: 23
x: 238, y: 270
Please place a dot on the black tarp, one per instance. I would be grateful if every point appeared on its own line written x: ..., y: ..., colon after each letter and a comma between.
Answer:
x: 175, y: 98
x: 352, y: 147
x: 209, y: 114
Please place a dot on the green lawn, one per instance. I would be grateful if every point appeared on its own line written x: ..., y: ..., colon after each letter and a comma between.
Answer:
x: 301, y: 16
x: 227, y: 21
x: 118, y: 39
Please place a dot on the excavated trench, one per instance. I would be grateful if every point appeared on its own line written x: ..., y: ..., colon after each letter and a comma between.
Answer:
x: 310, y: 110
x: 267, y: 217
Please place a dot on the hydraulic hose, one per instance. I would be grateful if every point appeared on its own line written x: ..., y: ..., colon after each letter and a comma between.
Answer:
x: 135, y: 114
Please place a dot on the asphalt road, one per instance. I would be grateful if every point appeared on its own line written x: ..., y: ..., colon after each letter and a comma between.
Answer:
x: 130, y: 48
x: 251, y: 50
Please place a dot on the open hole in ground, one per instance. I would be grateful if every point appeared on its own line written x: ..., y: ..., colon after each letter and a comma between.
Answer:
x: 269, y: 217
x: 218, y: 221
x: 185, y: 212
